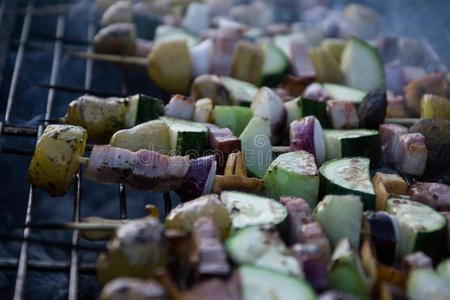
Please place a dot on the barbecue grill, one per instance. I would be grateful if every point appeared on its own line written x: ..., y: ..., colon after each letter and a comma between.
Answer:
x: 53, y: 39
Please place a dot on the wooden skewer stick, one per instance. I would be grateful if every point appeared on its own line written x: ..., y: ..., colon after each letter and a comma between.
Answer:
x: 121, y: 59
x: 402, y: 121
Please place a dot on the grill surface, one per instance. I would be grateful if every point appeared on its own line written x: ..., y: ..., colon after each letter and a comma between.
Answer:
x: 22, y: 263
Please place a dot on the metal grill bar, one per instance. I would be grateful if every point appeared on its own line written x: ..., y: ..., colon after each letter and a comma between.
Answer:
x: 23, y: 261
x: 50, y: 266
x: 19, y: 60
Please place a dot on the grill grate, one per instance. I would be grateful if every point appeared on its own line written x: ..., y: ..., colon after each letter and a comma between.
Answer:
x: 23, y: 264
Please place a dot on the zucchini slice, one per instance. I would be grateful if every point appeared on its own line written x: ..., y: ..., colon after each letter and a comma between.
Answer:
x: 249, y: 209
x: 427, y: 284
x: 362, y: 66
x: 346, y: 272
x: 261, y: 246
x: 261, y: 283
x: 275, y: 65
x: 344, y: 93
x: 318, y: 109
x: 240, y: 91
x: 421, y: 228
x: 348, y: 176
x: 234, y: 117
x: 352, y: 142
x: 142, y: 108
x: 444, y: 268
x: 186, y: 137
x: 340, y: 217
x: 293, y: 174
x: 256, y: 146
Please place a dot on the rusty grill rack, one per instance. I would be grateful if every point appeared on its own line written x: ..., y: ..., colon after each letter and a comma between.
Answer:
x: 23, y: 263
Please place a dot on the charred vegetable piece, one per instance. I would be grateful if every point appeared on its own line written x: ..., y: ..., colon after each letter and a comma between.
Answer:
x: 143, y: 170
x: 137, y: 250
x: 249, y: 209
x: 421, y: 228
x: 262, y: 247
x: 204, y: 111
x: 387, y: 186
x: 426, y: 284
x: 186, y: 137
x: 414, y: 261
x: 411, y: 154
x: 314, y: 234
x: 383, y: 230
x: 395, y: 106
x: 372, y: 109
x: 247, y: 62
x: 256, y: 146
x: 209, y: 253
x: 299, y: 213
x: 55, y: 160
x: 266, y: 104
x: 238, y: 183
x: 241, y: 92
x: 342, y: 114
x: 314, y: 263
x: 352, y: 142
x: 344, y: 93
x: 361, y: 66
x: 180, y: 107
x: 435, y: 195
x: 316, y: 108
x: 275, y: 64
x: 261, y: 283
x: 117, y: 38
x: 340, y: 217
x: 326, y: 66
x: 211, y: 86
x: 306, y: 134
x: 152, y: 135
x: 346, y: 272
x: 199, y: 179
x: 428, y: 84
x: 101, y: 117
x: 390, y: 134
x: 170, y: 65
x: 234, y: 117
x: 184, y: 216
x: 132, y: 288
x: 437, y: 137
x: 434, y: 107
x: 293, y: 174
x: 348, y: 176
x: 222, y: 142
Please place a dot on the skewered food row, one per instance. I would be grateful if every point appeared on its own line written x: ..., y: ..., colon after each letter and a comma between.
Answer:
x: 321, y: 246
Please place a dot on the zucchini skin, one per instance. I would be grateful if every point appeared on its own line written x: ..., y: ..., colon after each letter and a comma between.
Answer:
x: 369, y: 148
x: 191, y: 143
x: 328, y: 187
x: 433, y: 244
x: 149, y: 108
x: 309, y: 107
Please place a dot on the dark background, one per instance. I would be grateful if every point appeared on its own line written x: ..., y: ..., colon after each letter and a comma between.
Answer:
x: 414, y: 18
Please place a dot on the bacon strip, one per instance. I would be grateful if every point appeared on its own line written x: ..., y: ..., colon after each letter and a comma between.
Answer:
x: 143, y: 170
